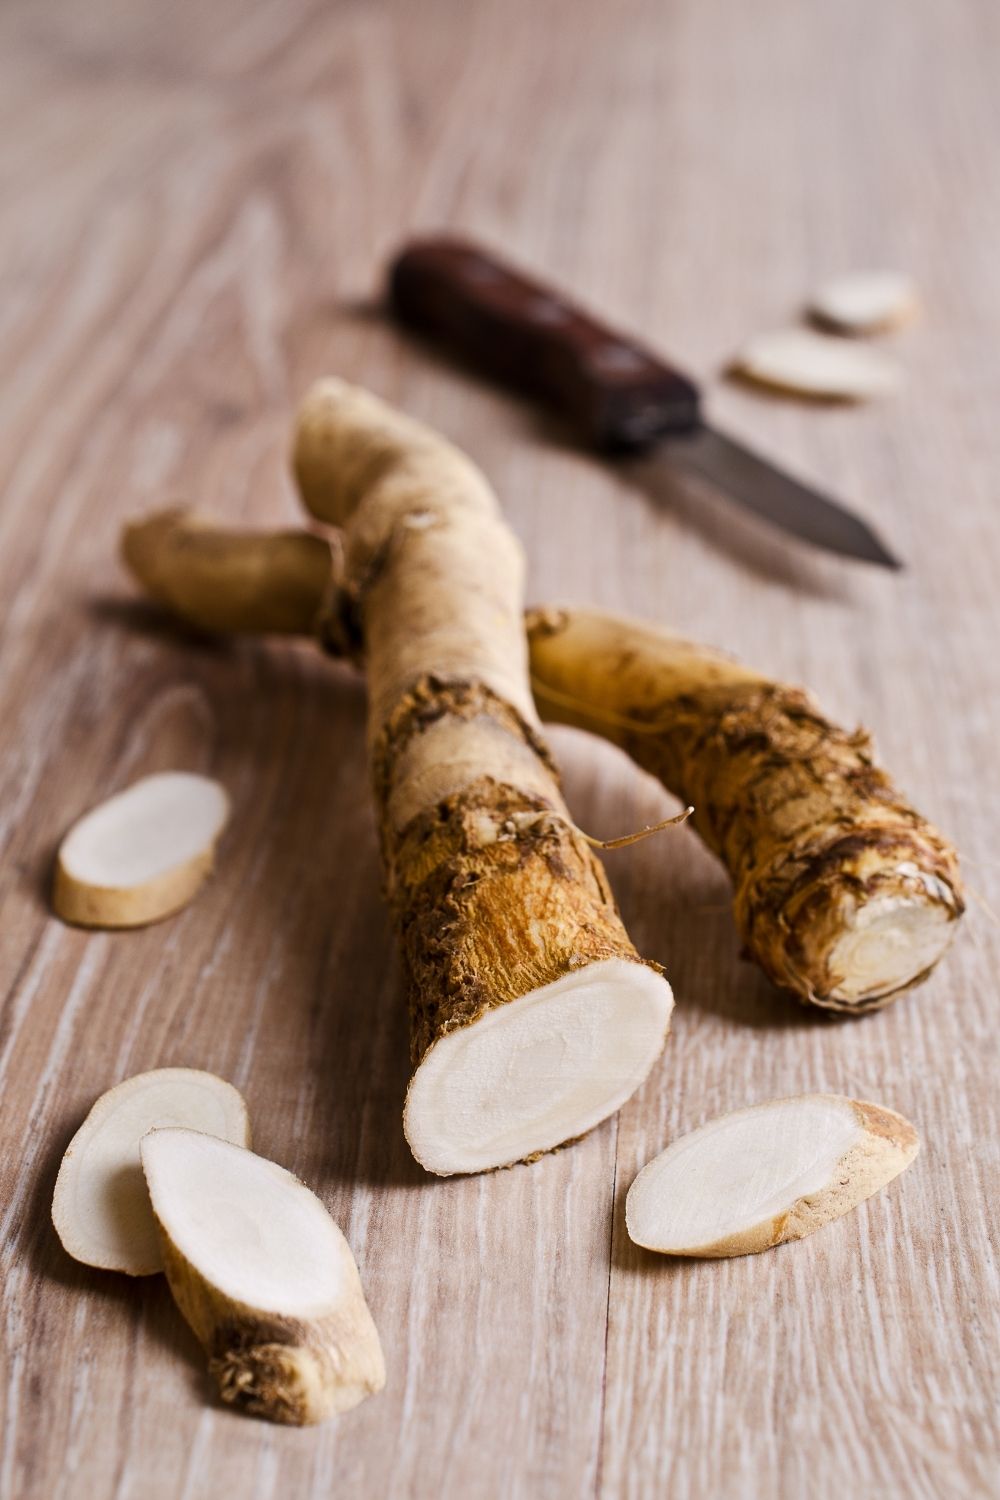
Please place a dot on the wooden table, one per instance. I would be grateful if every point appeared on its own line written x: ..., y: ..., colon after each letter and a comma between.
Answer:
x: 197, y: 201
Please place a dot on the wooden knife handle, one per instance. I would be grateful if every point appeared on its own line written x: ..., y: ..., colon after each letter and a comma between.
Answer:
x: 532, y: 339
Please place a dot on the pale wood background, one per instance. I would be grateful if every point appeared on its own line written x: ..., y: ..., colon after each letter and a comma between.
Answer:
x: 196, y: 199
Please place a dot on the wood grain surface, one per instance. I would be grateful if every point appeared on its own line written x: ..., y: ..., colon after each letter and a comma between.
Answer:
x: 196, y: 203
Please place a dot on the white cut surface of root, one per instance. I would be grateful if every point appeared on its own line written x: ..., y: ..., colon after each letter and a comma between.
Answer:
x: 507, y: 924
x: 812, y: 364
x: 864, y: 302
x: 529, y: 1075
x: 142, y: 854
x: 764, y: 1175
x: 100, y: 1207
x: 888, y: 944
x: 264, y: 1277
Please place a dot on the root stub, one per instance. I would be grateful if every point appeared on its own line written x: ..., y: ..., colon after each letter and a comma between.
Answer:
x: 764, y: 1175
x: 529, y: 1076
x: 264, y: 1277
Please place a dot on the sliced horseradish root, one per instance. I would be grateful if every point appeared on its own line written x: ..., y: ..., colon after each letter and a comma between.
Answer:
x: 264, y: 1277
x: 880, y: 884
x: 767, y: 1174
x: 100, y: 1207
x: 532, y: 1015
x: 544, y: 1069
x: 866, y: 302
x: 811, y: 364
x: 141, y: 855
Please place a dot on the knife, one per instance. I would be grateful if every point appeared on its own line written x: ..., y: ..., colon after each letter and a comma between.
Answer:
x: 619, y: 397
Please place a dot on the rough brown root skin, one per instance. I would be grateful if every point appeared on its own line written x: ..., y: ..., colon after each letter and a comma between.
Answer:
x: 847, y: 865
x: 842, y: 892
x: 283, y: 1381
x: 494, y: 892
x: 286, y: 1369
x: 496, y: 895
x: 468, y: 873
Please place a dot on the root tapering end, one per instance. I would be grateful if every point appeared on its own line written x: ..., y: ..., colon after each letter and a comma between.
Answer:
x: 265, y: 1279
x: 296, y: 1386
x: 270, y: 1380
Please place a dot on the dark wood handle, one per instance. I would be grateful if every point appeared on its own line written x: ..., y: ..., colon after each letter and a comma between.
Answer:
x: 531, y: 338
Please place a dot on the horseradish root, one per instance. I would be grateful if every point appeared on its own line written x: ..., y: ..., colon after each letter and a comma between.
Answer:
x: 229, y: 583
x: 765, y: 1175
x: 810, y: 364
x: 264, y: 1277
x: 141, y: 855
x: 866, y: 302
x: 533, y: 1017
x: 193, y: 566
x: 100, y: 1207
x: 843, y: 894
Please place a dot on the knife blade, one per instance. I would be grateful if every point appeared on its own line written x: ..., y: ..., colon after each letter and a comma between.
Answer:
x: 620, y: 397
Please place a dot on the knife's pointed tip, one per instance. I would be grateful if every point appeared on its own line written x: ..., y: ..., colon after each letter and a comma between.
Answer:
x: 883, y: 558
x: 781, y: 499
x: 867, y: 546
